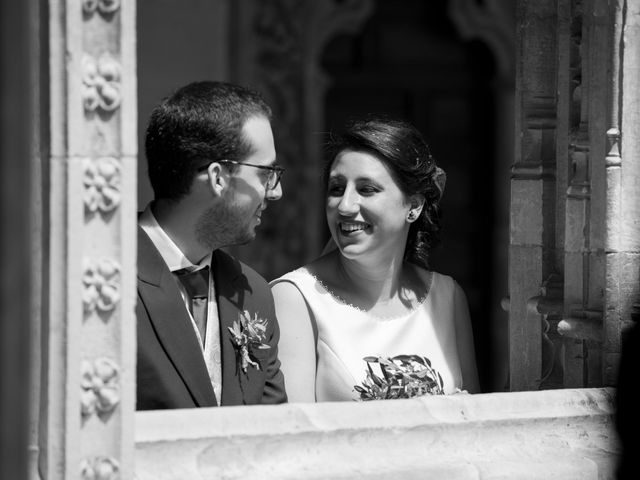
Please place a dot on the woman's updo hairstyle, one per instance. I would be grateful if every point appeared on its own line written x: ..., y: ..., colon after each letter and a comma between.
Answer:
x: 401, y: 147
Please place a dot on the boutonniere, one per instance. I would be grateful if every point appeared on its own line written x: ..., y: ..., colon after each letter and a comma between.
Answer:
x: 248, y: 334
x: 402, y: 376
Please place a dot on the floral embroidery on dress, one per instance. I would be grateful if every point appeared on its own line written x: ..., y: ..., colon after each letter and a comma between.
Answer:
x: 402, y: 376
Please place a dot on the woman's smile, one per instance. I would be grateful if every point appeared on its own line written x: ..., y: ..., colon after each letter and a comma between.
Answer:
x: 350, y: 228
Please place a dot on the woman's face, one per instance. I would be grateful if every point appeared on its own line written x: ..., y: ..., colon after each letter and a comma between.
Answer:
x: 366, y: 210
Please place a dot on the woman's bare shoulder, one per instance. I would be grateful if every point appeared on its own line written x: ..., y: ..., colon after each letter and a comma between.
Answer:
x: 323, y: 268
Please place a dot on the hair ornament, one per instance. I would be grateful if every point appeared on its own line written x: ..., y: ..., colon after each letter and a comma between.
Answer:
x: 440, y: 177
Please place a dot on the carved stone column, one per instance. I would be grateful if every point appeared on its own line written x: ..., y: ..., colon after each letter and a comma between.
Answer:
x: 581, y: 117
x: 622, y: 287
x: 533, y: 184
x: 594, y: 242
x: 88, y: 394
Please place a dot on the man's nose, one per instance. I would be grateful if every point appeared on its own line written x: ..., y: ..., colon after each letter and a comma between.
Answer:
x: 275, y: 193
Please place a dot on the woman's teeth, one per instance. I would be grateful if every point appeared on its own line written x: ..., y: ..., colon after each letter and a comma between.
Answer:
x: 352, y: 227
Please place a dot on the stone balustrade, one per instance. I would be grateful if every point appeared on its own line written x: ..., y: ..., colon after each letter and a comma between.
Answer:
x: 551, y: 434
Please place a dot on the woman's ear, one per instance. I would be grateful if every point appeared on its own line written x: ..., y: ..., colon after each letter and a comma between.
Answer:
x: 218, y: 178
x: 416, y: 203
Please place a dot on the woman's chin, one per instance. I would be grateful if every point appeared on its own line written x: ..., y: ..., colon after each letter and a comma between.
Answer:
x: 350, y: 249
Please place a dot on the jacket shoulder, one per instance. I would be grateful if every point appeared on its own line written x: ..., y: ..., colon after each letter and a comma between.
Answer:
x: 240, y: 270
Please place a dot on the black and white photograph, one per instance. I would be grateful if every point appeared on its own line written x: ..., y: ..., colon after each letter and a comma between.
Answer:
x: 392, y: 239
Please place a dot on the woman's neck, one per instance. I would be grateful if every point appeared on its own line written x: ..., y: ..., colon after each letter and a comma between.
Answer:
x: 374, y: 280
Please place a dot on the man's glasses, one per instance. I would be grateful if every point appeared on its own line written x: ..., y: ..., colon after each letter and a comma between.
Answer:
x: 275, y: 171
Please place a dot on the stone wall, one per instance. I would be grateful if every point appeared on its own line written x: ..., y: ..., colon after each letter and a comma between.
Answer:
x: 574, y: 243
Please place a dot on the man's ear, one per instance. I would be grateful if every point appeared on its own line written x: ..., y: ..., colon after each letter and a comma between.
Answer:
x: 218, y: 178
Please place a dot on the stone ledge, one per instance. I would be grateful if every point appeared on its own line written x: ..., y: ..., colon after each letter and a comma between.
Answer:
x: 529, y: 435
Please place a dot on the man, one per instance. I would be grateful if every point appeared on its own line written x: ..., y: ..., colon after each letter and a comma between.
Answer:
x: 207, y: 331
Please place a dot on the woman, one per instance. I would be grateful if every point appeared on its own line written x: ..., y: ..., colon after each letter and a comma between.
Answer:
x: 373, y: 295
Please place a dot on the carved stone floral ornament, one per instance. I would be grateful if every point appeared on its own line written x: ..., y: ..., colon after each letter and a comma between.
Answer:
x: 101, y: 184
x: 100, y: 468
x: 101, y: 282
x: 100, y: 388
x: 102, y: 6
x: 101, y: 83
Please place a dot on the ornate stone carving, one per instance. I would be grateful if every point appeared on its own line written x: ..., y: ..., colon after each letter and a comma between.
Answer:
x: 101, y: 83
x: 100, y: 389
x: 101, y: 281
x: 105, y: 7
x: 613, y: 148
x: 101, y: 184
x: 100, y: 468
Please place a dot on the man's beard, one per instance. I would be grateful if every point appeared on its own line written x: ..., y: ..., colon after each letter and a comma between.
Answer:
x: 224, y: 225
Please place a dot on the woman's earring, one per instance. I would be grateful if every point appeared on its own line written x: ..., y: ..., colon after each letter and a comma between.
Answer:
x: 412, y: 216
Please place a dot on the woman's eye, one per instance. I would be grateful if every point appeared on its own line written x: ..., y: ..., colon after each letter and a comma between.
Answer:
x: 367, y: 189
x: 335, y: 190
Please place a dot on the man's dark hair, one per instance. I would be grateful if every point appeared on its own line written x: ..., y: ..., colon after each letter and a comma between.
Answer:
x: 196, y: 125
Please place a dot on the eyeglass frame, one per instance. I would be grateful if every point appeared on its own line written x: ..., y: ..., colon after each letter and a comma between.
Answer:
x: 276, y: 170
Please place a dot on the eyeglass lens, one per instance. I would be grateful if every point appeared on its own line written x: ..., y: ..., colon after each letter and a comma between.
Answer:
x: 274, y: 179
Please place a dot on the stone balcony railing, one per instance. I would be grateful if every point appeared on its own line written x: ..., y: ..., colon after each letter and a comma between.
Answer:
x: 554, y: 434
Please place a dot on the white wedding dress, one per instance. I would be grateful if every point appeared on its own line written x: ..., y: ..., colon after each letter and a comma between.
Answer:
x: 347, y: 334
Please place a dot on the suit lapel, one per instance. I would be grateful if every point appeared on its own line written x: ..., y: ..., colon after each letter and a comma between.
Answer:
x: 171, y: 321
x: 230, y: 296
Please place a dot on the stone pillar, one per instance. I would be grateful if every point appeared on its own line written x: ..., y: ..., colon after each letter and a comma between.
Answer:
x: 533, y: 184
x: 593, y: 241
x: 622, y: 286
x: 88, y: 356
x: 582, y: 91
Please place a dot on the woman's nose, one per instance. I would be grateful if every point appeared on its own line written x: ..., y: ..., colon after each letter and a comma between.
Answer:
x: 349, y: 203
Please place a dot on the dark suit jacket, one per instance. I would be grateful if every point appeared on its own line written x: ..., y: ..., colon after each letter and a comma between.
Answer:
x: 171, y: 371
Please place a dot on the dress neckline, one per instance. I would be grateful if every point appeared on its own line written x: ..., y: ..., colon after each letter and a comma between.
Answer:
x: 338, y: 299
